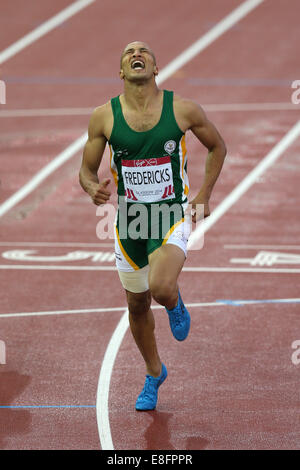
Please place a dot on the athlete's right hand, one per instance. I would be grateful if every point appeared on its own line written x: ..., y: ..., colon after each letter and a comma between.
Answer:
x: 99, y: 192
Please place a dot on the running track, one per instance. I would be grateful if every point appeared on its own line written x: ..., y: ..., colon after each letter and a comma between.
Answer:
x: 232, y: 384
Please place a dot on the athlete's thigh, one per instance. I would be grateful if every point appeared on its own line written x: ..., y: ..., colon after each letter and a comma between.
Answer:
x: 166, y: 263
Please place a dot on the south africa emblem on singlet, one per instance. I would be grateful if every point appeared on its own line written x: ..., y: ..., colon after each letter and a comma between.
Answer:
x: 170, y: 146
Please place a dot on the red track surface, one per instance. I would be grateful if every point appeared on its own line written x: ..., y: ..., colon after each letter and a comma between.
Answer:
x: 231, y: 384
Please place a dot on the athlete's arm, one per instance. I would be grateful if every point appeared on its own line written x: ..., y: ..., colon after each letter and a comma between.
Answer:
x: 196, y: 120
x: 92, y: 157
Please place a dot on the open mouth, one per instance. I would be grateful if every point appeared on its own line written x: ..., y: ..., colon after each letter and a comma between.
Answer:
x: 137, y: 65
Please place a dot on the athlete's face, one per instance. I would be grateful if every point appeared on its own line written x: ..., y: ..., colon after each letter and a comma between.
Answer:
x: 138, y: 62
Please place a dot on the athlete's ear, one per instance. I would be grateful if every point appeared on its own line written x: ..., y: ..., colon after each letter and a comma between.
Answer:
x: 155, y: 70
x: 122, y: 74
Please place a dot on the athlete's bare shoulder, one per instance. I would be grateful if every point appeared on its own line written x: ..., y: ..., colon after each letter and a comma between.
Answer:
x: 101, y: 111
x: 101, y: 121
x: 187, y: 112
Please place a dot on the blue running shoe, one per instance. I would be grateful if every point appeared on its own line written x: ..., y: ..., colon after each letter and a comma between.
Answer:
x: 147, y: 399
x: 180, y: 320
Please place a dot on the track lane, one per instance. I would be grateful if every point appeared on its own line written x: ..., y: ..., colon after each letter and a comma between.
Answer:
x: 164, y: 419
x: 51, y: 230
x: 16, y: 21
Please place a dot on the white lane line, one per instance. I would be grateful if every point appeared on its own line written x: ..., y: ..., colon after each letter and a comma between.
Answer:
x: 245, y: 184
x: 81, y: 311
x: 242, y: 270
x: 102, y: 405
x: 13, y: 113
x: 237, y: 107
x: 187, y: 55
x: 220, y: 28
x: 174, y: 65
x: 43, y: 174
x: 153, y: 307
x: 202, y: 269
x: 43, y: 29
x: 262, y: 247
x: 75, y: 146
x: 58, y: 244
x: 52, y: 267
x: 221, y: 107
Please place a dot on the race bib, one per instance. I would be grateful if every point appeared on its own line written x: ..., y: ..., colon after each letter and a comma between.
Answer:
x: 148, y: 180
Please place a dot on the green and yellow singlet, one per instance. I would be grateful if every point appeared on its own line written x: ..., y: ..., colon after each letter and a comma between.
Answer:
x: 149, y: 166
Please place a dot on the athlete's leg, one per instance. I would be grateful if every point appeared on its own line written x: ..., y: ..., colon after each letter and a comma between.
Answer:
x: 165, y: 263
x: 142, y: 326
x: 132, y: 264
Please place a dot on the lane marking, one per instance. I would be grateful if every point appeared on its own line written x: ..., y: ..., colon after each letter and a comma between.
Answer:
x: 63, y: 312
x: 37, y: 179
x: 108, y: 363
x: 245, y: 184
x: 238, y: 303
x: 217, y: 303
x: 214, y: 33
x: 46, y: 406
x: 243, y: 270
x: 48, y: 112
x: 102, y: 406
x: 269, y: 258
x: 58, y: 244
x: 78, y: 255
x: 233, y: 107
x: 221, y: 107
x: 43, y: 29
x: 262, y: 247
x: 218, y: 30
x: 207, y: 269
x: 58, y: 268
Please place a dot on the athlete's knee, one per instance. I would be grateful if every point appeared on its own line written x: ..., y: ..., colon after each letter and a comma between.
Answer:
x: 138, y: 303
x: 163, y: 290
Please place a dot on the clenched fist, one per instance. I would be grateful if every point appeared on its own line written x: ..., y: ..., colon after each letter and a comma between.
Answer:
x: 99, y: 192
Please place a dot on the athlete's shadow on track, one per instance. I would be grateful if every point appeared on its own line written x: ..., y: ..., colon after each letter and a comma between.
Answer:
x: 158, y: 435
x: 12, y: 421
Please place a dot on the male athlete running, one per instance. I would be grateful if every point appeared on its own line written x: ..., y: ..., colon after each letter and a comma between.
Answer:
x: 145, y: 128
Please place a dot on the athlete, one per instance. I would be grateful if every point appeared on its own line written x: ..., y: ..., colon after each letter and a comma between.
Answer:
x: 145, y: 129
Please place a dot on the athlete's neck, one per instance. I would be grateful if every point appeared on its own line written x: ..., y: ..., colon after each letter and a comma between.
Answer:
x: 140, y: 96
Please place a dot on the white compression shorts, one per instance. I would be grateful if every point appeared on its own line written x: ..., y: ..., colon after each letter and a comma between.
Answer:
x: 135, y: 279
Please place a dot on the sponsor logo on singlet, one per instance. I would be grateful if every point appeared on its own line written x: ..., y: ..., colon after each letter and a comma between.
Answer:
x: 148, y: 180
